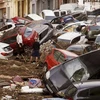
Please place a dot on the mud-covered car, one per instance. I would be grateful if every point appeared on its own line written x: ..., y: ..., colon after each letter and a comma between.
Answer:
x: 82, y: 68
x: 80, y: 48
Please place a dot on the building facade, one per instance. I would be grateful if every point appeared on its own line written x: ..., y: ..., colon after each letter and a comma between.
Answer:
x: 21, y: 8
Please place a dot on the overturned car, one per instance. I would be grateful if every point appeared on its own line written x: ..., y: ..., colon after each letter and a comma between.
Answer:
x: 82, y: 68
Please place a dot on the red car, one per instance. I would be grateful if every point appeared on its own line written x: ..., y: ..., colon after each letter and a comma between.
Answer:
x: 27, y: 33
x: 57, y: 56
x: 20, y: 20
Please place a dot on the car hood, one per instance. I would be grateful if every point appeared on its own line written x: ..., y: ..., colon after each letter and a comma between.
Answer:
x: 69, y: 37
x: 34, y: 17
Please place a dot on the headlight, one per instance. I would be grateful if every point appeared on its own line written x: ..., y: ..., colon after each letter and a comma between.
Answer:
x: 48, y: 75
x: 60, y: 93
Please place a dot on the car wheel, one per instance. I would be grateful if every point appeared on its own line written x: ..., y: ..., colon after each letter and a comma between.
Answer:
x: 45, y: 67
x: 59, y: 27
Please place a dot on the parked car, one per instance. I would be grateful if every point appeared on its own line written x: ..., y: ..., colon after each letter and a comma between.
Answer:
x: 58, y: 56
x: 6, y: 28
x: 88, y: 90
x: 93, y: 31
x: 82, y: 68
x: 47, y: 14
x: 80, y: 49
x: 73, y: 7
x: 5, y: 51
x: 69, y: 37
x: 70, y: 27
x: 57, y: 22
x: 21, y: 20
x: 27, y: 33
x: 59, y: 13
x: 8, y: 21
x: 45, y: 32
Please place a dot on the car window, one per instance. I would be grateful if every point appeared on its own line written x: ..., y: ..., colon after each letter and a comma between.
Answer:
x: 49, y: 17
x: 56, y: 21
x: 28, y: 32
x: 57, y: 54
x: 88, y: 48
x: 94, y: 28
x: 56, y: 13
x: 75, y: 49
x: 96, y: 76
x: 83, y: 93
x: 8, y: 48
x: 10, y: 40
x: 21, y: 20
x: 75, y: 70
x: 69, y: 28
x: 98, y: 19
x: 75, y: 40
x: 61, y: 58
x: 71, y: 90
x: 6, y: 27
x: 95, y: 91
x: 43, y: 34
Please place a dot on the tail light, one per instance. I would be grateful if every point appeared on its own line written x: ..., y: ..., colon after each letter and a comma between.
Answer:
x: 5, y: 54
x: 69, y: 98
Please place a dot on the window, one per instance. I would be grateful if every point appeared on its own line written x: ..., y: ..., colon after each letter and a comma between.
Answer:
x: 10, y: 40
x: 28, y: 32
x: 56, y: 54
x: 75, y: 70
x: 61, y: 58
x: 75, y: 40
x: 56, y: 13
x: 95, y: 91
x: 43, y: 33
x: 71, y: 90
x: 83, y: 93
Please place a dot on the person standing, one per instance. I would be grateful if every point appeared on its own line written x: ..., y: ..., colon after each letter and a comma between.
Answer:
x: 4, y: 19
x: 35, y: 51
x: 20, y: 45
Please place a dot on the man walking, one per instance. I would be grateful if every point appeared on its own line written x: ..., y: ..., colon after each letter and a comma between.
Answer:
x: 35, y: 51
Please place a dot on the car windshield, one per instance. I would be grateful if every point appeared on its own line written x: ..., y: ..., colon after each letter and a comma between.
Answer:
x: 71, y: 90
x: 74, y: 70
x: 8, y: 48
x: 96, y: 28
x: 49, y: 17
x: 28, y: 32
x: 97, y: 41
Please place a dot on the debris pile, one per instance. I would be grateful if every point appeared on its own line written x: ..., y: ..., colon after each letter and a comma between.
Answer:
x: 45, y: 49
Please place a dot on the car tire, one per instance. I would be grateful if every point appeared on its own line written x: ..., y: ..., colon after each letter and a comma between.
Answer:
x: 59, y: 27
x: 45, y: 68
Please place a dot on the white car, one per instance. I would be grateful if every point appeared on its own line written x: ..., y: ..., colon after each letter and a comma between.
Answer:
x: 5, y: 51
x: 70, y: 37
x: 47, y: 14
x: 71, y: 27
x: 6, y: 28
